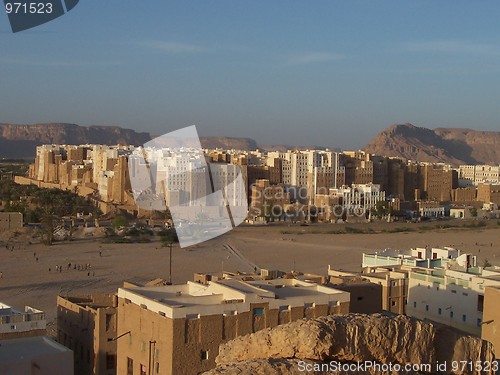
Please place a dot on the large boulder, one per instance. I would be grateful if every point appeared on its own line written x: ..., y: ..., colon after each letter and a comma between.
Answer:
x: 352, y: 338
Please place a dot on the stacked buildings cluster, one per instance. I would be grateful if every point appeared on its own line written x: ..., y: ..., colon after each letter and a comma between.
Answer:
x: 315, y: 179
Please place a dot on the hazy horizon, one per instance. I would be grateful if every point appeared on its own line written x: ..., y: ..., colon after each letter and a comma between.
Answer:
x: 283, y: 72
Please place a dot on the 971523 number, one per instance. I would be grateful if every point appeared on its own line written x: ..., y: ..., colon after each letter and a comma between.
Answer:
x: 28, y: 8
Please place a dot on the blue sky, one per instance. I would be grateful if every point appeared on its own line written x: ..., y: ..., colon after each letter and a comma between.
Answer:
x: 324, y: 72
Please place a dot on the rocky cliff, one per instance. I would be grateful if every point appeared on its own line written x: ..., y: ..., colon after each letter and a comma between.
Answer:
x: 228, y: 143
x: 454, y: 146
x: 347, y: 339
x: 20, y: 141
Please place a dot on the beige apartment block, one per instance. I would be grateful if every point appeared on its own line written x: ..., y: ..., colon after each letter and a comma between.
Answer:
x: 437, y: 182
x: 87, y: 324
x: 265, y: 196
x: 177, y: 329
x: 453, y: 295
x: 491, y: 317
x: 375, y: 289
x: 10, y: 221
x: 488, y: 193
x: 35, y: 356
x: 18, y: 324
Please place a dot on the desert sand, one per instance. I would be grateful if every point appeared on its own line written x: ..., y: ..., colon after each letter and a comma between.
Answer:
x: 26, y: 281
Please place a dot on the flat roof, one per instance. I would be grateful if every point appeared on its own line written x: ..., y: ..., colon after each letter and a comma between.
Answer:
x: 20, y: 349
x: 228, y: 294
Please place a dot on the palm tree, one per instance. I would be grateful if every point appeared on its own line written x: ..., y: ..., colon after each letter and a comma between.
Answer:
x: 48, y: 220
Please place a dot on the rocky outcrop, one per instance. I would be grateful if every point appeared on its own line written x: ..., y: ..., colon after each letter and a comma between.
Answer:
x: 450, y: 145
x: 350, y: 339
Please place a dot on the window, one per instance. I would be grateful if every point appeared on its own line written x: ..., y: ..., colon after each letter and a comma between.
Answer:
x: 414, y: 305
x: 479, y: 322
x: 454, y: 291
x: 109, y: 321
x: 451, y: 314
x: 393, y: 303
x: 284, y: 308
x: 480, y: 303
x: 440, y: 311
x: 130, y: 366
x: 110, y: 361
x: 464, y: 318
x: 258, y: 311
x: 204, y: 355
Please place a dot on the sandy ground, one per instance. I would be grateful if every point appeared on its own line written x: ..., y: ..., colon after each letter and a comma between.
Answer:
x: 26, y: 281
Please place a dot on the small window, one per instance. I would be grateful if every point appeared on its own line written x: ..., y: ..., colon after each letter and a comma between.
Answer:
x: 109, y: 321
x: 414, y: 305
x: 451, y: 314
x: 393, y: 303
x: 130, y: 366
x: 204, y: 355
x: 440, y: 311
x: 454, y: 291
x: 284, y: 308
x: 110, y: 361
x: 465, y: 294
x: 426, y: 307
x: 480, y: 303
x: 258, y: 311
x: 464, y: 318
x: 479, y: 322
